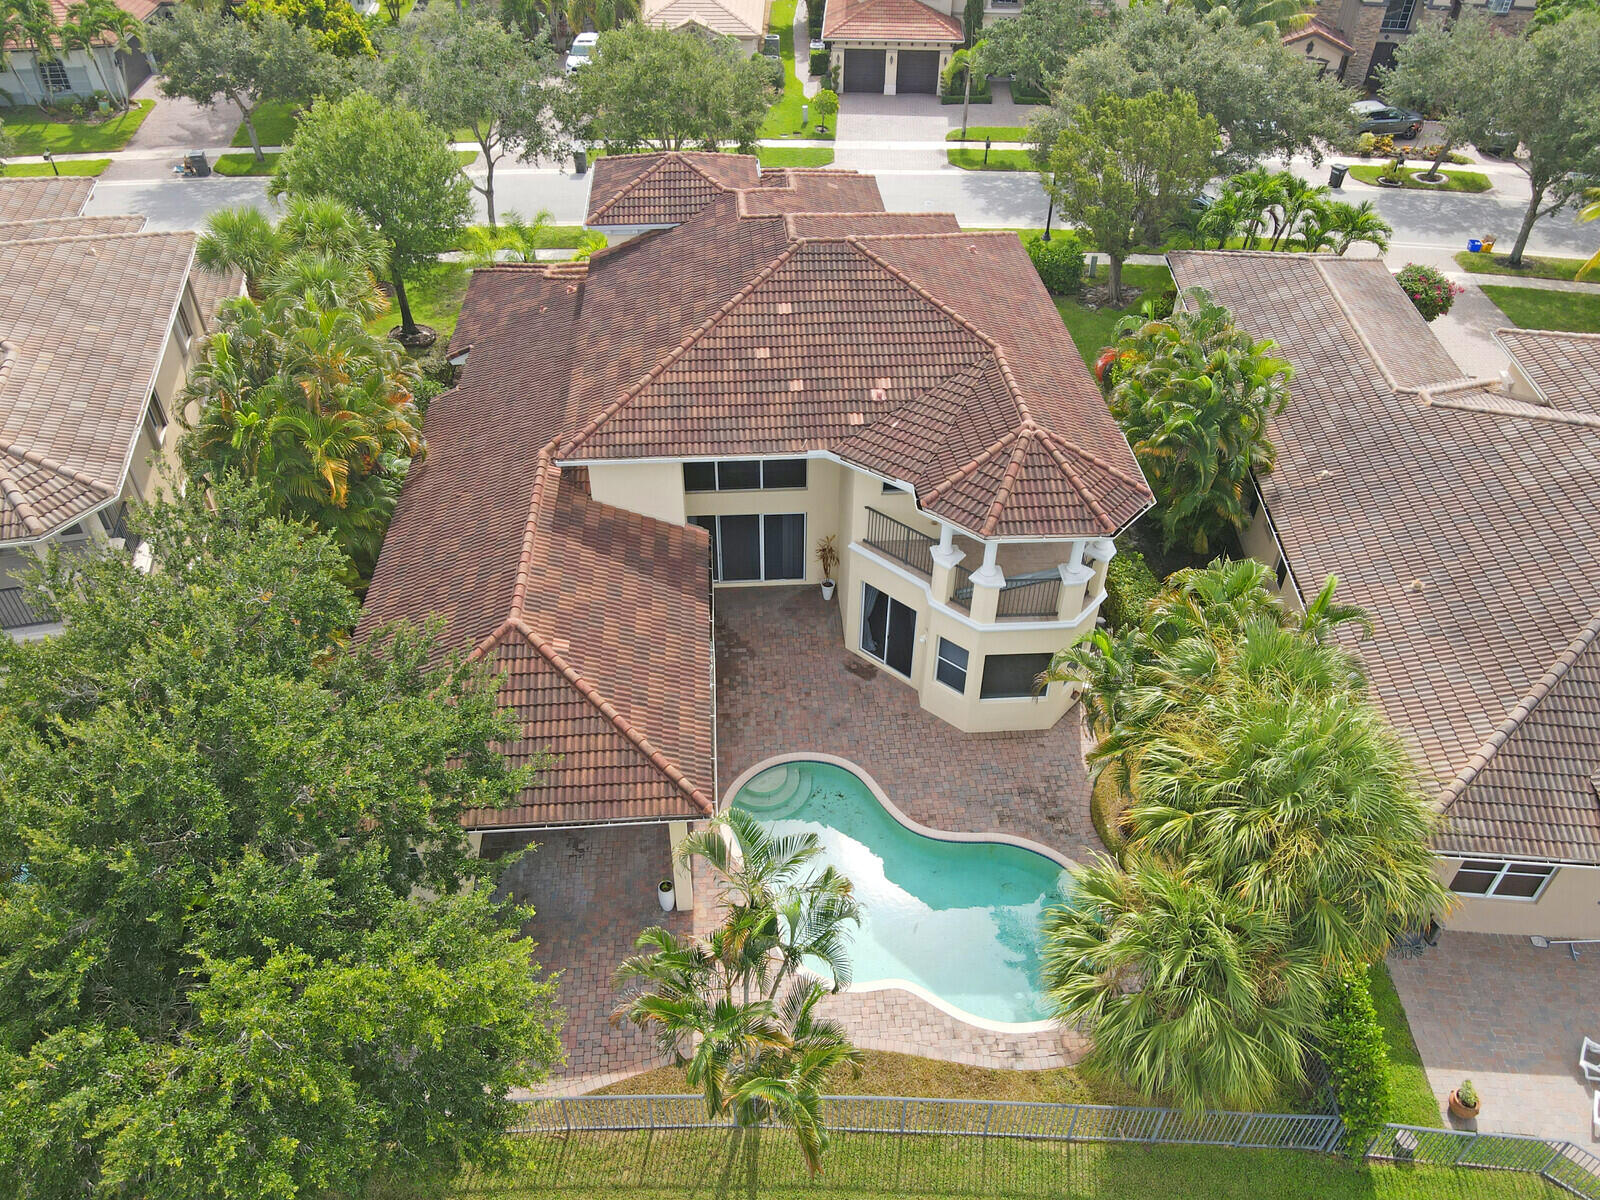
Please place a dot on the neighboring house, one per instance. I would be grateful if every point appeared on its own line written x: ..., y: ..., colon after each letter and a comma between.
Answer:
x: 99, y: 324
x: 699, y: 406
x: 28, y: 77
x: 743, y: 20
x: 891, y: 46
x: 1462, y: 515
x: 1358, y: 38
x: 1324, y: 47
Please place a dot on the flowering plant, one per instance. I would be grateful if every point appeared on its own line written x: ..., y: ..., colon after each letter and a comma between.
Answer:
x: 1428, y: 289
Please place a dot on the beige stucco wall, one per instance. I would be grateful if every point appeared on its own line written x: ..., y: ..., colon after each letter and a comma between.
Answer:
x: 1569, y: 906
x: 653, y: 489
x: 818, y: 500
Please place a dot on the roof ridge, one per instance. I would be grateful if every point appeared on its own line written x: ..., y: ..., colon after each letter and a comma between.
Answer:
x: 105, y: 237
x: 916, y: 287
x: 16, y: 450
x: 572, y: 441
x: 659, y: 164
x: 1510, y: 406
x: 1520, y: 712
x: 1058, y: 453
x: 967, y: 468
x: 1008, y: 479
x: 1556, y: 334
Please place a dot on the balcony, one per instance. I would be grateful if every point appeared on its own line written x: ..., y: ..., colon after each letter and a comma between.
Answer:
x: 907, y: 546
x: 1034, y: 597
x: 17, y: 615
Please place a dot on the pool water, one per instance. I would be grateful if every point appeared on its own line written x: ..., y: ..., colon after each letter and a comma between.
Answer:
x: 958, y: 919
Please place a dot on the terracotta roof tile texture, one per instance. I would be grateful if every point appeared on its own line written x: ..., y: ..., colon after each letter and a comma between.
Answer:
x: 58, y: 227
x: 1463, y: 524
x: 43, y: 199
x: 84, y: 323
x: 735, y: 18
x: 1563, y: 367
x: 888, y: 20
x: 664, y: 188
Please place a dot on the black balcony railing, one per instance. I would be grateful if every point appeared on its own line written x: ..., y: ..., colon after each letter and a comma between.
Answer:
x: 17, y: 613
x: 900, y: 542
x: 1028, y: 597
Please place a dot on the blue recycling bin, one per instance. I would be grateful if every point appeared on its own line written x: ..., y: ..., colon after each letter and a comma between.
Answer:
x: 1475, y: 245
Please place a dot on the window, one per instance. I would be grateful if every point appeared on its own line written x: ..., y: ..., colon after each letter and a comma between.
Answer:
x: 155, y: 420
x: 54, y: 76
x: 750, y: 548
x: 1397, y: 16
x: 891, y: 487
x: 1505, y: 880
x: 1499, y: 7
x: 1282, y: 574
x: 1011, y: 676
x: 952, y: 668
x: 185, y: 330
x: 888, y: 629
x: 744, y: 475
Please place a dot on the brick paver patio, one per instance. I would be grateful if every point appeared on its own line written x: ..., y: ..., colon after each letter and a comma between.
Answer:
x: 1510, y: 1017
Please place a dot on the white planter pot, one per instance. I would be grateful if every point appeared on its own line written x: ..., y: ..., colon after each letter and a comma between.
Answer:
x: 665, y: 896
x: 827, y: 589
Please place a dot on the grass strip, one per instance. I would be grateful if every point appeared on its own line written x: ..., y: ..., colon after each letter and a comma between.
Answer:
x: 1538, y: 308
x: 72, y: 166
x: 1454, y: 181
x: 33, y: 131
x: 1531, y: 268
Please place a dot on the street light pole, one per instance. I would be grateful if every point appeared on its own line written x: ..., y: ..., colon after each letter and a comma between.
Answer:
x: 51, y: 159
x: 1048, y: 213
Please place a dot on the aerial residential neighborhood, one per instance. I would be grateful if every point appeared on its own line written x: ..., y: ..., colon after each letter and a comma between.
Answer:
x: 861, y: 598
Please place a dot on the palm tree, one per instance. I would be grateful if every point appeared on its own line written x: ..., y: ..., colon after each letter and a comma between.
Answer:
x: 14, y: 33
x: 245, y: 239
x: 1590, y: 212
x: 240, y: 239
x: 1270, y: 18
x: 602, y: 15
x: 515, y: 239
x: 1353, y: 223
x: 40, y: 33
x: 1189, y: 993
x: 967, y: 60
x: 1300, y: 199
x: 1223, y: 217
x: 103, y: 22
x: 1260, y: 193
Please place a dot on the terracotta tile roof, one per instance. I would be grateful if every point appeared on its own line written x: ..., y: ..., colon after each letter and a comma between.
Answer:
x: 599, y: 619
x: 1534, y: 787
x: 735, y: 18
x: 1316, y: 28
x: 138, y: 9
x: 42, y: 199
x: 889, y: 20
x: 1460, y: 518
x: 833, y: 225
x: 211, y: 288
x: 1564, y: 368
x: 57, y: 227
x: 83, y: 326
x: 664, y: 188
x: 812, y: 191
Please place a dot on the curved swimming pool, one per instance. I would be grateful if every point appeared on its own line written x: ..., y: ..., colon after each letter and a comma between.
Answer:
x: 957, y: 921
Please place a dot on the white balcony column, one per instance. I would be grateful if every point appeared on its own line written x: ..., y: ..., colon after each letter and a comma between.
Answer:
x: 1097, y: 554
x: 682, y: 870
x: 987, y: 581
x: 946, y: 558
x: 1075, y: 579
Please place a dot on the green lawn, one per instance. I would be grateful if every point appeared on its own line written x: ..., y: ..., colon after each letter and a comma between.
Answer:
x: 971, y: 159
x: 1091, y: 331
x: 715, y: 1164
x: 435, y: 295
x: 1535, y: 308
x: 274, y: 122
x: 72, y: 166
x: 795, y: 156
x: 1411, y: 1099
x: 246, y: 164
x: 1531, y: 268
x: 551, y: 237
x: 783, y: 118
x: 32, y: 131
x: 1000, y: 133
x: 1454, y: 181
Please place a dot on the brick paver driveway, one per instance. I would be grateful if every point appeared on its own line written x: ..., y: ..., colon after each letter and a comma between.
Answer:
x: 1509, y: 1017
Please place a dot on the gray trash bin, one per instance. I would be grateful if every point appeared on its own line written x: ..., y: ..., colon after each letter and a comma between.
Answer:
x: 1336, y: 174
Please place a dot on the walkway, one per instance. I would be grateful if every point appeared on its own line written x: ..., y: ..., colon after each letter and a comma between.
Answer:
x: 1509, y: 1017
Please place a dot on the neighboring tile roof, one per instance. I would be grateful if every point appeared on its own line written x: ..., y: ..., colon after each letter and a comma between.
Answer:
x: 42, y: 199
x: 1462, y: 519
x: 1534, y: 788
x: 211, y: 288
x: 58, y: 227
x: 664, y: 188
x: 83, y: 326
x: 599, y: 619
x: 735, y: 18
x: 889, y: 20
x: 820, y: 190
x: 138, y: 9
x: 1315, y: 28
x: 1564, y: 368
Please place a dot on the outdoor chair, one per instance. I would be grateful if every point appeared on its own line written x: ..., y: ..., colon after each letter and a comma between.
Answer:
x: 1589, y: 1060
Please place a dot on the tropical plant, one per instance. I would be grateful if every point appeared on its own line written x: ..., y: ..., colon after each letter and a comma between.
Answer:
x: 316, y: 237
x: 1428, y: 289
x: 964, y: 63
x: 100, y: 22
x: 733, y: 1007
x: 1590, y: 212
x: 1268, y: 18
x: 1189, y: 993
x: 15, y: 29
x: 515, y: 240
x: 1194, y: 392
x: 334, y: 24
x: 1351, y: 224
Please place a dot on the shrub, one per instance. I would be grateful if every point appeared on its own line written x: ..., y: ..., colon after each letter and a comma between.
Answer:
x: 1058, y: 261
x: 1162, y: 303
x: 821, y: 64
x: 1429, y: 290
x: 814, y: 20
x: 1383, y: 144
x: 1432, y: 152
x: 1364, y: 144
x: 1106, y: 805
x: 1130, y: 586
x: 774, y: 69
x: 1352, y: 1043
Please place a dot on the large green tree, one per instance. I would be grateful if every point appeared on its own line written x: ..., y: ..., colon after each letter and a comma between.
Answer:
x: 207, y: 56
x: 464, y: 70
x: 1449, y: 70
x: 667, y: 89
x: 1265, y: 100
x: 1122, y: 170
x: 387, y: 163
x: 1194, y: 393
x: 1034, y: 45
x: 313, y: 232
x: 216, y: 976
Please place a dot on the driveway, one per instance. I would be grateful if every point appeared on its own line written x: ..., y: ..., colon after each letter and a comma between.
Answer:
x: 1509, y: 1017
x: 182, y: 124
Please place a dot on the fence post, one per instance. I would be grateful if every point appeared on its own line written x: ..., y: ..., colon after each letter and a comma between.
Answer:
x: 650, y: 1113
x: 987, y: 1117
x: 1077, y: 1111
x: 904, y: 1104
x: 1239, y: 1138
x: 1155, y: 1135
x: 566, y: 1115
x: 1557, y: 1151
x: 1465, y: 1145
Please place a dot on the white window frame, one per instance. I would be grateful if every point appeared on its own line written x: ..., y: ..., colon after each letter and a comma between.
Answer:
x: 55, y: 69
x: 1506, y: 868
x: 185, y: 330
x: 965, y: 668
x: 155, y: 419
x: 1499, y: 8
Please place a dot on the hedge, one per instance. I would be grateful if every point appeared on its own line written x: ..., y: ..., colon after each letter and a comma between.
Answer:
x: 1130, y: 586
x: 1353, y: 1045
x: 814, y: 9
x: 1058, y: 261
x: 820, y: 62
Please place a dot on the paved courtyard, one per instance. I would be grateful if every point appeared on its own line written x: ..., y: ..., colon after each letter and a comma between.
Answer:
x: 1510, y: 1017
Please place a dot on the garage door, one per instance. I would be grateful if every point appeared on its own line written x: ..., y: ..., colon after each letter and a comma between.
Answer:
x: 863, y: 71
x: 918, y: 71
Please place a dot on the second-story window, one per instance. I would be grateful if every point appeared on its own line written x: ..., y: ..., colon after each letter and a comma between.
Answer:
x: 185, y: 330
x: 1397, y: 16
x: 155, y: 420
x: 744, y: 475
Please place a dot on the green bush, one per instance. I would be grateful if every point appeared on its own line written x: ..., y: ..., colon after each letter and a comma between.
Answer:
x: 1130, y: 586
x: 773, y: 68
x: 1106, y: 805
x: 1353, y: 1045
x: 1058, y: 261
x: 814, y: 19
x: 821, y: 62
x: 1163, y: 302
x: 1428, y: 289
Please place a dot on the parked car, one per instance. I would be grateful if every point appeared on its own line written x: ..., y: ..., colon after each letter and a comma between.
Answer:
x: 1499, y: 145
x: 581, y: 50
x: 772, y: 47
x: 1374, y: 116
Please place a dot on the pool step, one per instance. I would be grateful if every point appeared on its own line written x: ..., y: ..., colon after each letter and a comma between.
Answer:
x: 774, y: 792
x: 768, y: 782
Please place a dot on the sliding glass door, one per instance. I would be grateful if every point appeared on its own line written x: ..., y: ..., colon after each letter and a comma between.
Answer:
x: 888, y: 629
x: 749, y: 548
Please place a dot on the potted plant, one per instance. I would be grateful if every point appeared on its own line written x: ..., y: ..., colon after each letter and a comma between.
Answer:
x: 664, y: 895
x: 828, y: 557
x: 1464, y: 1101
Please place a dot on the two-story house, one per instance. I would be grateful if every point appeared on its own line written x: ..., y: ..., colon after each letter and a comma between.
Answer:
x: 1462, y: 515
x: 1355, y: 39
x: 771, y: 364
x: 99, y: 323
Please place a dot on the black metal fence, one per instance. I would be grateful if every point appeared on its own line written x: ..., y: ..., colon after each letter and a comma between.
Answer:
x: 17, y: 613
x: 1035, y: 599
x: 900, y: 542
